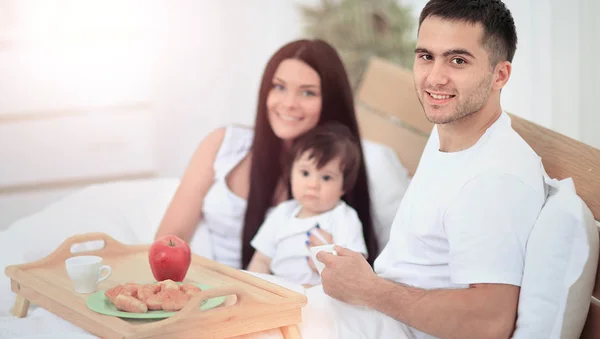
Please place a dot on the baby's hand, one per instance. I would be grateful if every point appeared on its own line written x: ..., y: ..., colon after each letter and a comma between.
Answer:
x: 317, y: 239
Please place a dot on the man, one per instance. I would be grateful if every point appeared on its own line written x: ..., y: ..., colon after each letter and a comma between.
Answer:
x: 454, y: 262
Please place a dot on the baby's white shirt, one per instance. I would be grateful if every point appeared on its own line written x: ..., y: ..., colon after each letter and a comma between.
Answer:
x: 282, y: 237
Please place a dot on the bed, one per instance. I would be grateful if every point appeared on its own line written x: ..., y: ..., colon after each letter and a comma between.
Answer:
x: 389, y: 114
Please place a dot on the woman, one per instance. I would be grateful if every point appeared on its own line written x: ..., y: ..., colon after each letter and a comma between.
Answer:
x: 235, y: 176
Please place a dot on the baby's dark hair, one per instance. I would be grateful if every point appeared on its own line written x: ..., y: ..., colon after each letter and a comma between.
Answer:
x: 325, y: 143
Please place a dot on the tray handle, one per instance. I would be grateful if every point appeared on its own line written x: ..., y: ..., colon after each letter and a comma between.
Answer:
x: 63, y: 251
x: 111, y: 246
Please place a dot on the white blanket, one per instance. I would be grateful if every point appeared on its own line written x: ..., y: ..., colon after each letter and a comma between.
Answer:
x: 130, y: 212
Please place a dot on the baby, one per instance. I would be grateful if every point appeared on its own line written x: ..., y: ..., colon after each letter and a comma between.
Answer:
x: 324, y: 164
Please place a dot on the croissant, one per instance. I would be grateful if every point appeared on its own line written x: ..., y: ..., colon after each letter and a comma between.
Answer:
x: 164, y: 295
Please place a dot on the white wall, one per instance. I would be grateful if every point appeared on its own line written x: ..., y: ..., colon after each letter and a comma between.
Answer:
x: 556, y: 64
x: 76, y: 90
x: 192, y: 65
x: 589, y: 33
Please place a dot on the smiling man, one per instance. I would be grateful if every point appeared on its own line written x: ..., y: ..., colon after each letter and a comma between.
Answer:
x: 454, y: 262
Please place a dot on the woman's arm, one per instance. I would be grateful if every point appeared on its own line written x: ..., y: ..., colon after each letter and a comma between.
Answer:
x: 260, y: 263
x: 185, y: 209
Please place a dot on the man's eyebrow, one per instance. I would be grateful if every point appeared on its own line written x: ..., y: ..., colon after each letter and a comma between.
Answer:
x: 458, y: 51
x: 455, y: 51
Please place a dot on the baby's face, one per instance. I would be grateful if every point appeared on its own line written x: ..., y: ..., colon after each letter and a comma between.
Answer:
x: 317, y: 190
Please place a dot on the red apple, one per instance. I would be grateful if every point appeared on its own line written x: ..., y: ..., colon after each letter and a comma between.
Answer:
x: 170, y: 258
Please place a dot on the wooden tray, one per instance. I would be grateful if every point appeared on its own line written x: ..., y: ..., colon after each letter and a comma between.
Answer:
x: 252, y: 304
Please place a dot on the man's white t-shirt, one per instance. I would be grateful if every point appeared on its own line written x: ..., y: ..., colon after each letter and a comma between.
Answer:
x: 466, y: 216
x: 282, y: 237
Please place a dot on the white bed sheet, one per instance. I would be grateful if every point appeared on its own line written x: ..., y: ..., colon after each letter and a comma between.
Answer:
x: 130, y: 212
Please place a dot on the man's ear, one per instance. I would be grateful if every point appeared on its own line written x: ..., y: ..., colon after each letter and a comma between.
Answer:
x: 502, y: 73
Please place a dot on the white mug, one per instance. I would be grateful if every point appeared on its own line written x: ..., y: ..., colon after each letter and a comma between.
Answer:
x: 86, y: 271
x: 316, y: 249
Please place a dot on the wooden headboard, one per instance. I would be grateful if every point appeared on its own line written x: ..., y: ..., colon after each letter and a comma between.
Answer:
x: 389, y: 112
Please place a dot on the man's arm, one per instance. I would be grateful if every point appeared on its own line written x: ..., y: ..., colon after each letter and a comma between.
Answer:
x: 481, y: 311
x: 487, y: 229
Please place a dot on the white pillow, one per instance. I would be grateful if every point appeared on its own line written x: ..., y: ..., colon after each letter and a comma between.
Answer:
x: 388, y: 181
x: 560, y: 267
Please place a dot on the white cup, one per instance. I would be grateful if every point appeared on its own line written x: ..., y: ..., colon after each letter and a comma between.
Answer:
x: 316, y: 249
x: 86, y: 271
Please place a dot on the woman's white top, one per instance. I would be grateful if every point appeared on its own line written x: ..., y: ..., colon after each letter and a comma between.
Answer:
x: 223, y: 211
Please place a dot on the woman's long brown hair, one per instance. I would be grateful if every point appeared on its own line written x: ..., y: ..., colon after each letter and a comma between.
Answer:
x: 267, y: 148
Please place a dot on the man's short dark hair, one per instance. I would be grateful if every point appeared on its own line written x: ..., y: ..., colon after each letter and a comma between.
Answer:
x: 500, y: 35
x: 327, y: 142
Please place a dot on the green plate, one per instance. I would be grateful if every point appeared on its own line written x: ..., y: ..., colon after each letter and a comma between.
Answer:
x: 99, y: 303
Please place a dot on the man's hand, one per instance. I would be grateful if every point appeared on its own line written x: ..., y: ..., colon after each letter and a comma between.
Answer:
x: 347, y: 277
